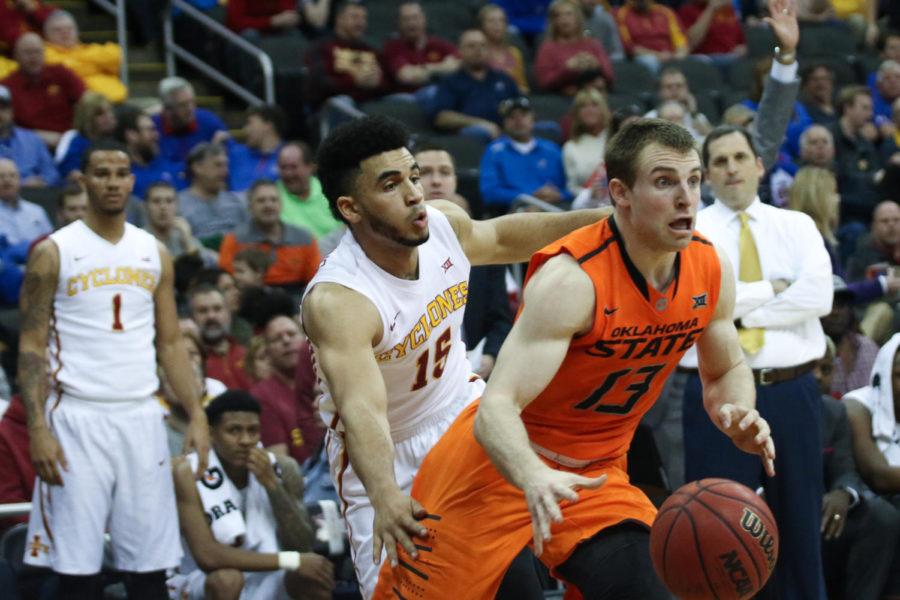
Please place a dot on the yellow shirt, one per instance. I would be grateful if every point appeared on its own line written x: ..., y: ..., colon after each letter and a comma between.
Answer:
x: 96, y: 64
x: 845, y: 8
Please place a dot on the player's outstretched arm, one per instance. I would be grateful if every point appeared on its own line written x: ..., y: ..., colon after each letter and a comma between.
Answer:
x: 172, y: 355
x: 36, y: 304
x: 343, y: 327
x: 559, y: 303
x: 513, y: 238
x: 729, y: 395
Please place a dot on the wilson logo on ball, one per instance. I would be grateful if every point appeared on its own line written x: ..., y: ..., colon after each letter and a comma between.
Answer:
x: 752, y: 524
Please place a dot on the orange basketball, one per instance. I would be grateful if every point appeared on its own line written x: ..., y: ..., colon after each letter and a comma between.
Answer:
x: 714, y: 538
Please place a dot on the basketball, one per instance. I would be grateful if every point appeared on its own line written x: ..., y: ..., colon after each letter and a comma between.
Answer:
x: 714, y: 538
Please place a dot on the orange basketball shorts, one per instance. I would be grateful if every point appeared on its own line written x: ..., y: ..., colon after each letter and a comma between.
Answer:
x: 478, y: 522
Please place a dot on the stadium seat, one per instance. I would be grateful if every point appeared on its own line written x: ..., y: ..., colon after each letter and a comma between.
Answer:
x: 410, y: 113
x: 47, y: 198
x: 731, y: 98
x: 617, y: 101
x: 550, y: 107
x: 740, y: 74
x: 826, y: 40
x: 465, y: 150
x: 710, y: 105
x: 382, y: 22
x: 760, y: 40
x: 286, y: 52
x: 844, y: 67
x: 633, y: 77
x: 449, y: 19
x: 701, y: 75
x: 12, y: 545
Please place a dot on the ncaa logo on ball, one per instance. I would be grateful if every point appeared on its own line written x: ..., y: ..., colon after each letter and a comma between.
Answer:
x: 732, y: 564
x: 752, y: 524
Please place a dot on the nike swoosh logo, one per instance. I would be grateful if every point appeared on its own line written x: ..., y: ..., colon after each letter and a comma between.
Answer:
x: 394, y: 323
x: 146, y: 259
x: 609, y: 311
x: 77, y: 258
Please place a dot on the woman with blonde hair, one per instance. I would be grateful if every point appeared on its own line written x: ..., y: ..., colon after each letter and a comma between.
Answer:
x: 814, y: 192
x: 567, y: 58
x: 94, y: 119
x: 587, y: 138
x: 502, y: 55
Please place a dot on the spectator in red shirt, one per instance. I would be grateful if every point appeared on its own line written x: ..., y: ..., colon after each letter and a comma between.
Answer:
x: 415, y: 59
x: 44, y: 96
x: 20, y: 17
x: 16, y: 472
x: 224, y: 355
x: 568, y: 59
x: 345, y: 64
x: 650, y: 32
x: 713, y: 29
x: 275, y: 16
x: 289, y: 422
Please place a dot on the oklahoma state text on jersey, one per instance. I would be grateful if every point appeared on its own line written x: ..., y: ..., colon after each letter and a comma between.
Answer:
x: 613, y: 374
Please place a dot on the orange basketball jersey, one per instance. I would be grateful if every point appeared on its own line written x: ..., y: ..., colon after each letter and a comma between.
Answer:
x: 614, y: 373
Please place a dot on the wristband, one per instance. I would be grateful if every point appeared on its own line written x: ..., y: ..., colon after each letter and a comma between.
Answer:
x: 289, y: 561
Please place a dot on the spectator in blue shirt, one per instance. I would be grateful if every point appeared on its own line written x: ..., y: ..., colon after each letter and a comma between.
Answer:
x: 24, y: 147
x: 137, y: 131
x: 520, y: 164
x: 467, y: 101
x: 20, y: 220
x: 257, y: 158
x: 211, y: 209
x: 181, y: 124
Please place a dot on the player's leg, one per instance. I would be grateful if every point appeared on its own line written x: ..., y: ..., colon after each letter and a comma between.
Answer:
x: 522, y: 580
x: 75, y: 514
x: 80, y: 587
x: 615, y: 564
x: 477, y: 524
x: 144, y: 520
x: 707, y: 451
x: 146, y: 586
x: 793, y: 410
x: 357, y: 512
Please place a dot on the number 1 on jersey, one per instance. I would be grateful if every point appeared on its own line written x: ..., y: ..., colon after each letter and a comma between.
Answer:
x: 117, y: 313
x: 441, y: 351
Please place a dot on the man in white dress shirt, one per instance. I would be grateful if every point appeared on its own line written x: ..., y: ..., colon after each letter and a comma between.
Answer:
x: 784, y: 285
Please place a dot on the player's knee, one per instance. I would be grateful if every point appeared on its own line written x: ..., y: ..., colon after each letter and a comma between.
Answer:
x: 224, y: 584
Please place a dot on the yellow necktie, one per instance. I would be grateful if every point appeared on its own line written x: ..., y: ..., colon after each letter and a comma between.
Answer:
x: 750, y: 270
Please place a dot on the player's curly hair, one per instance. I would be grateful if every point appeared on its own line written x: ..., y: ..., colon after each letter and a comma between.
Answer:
x: 347, y: 146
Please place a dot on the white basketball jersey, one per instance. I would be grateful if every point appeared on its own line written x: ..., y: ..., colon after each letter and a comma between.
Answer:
x: 102, y: 329
x: 421, y: 355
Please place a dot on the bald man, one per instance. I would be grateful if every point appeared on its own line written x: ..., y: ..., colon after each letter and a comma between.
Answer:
x: 44, y: 96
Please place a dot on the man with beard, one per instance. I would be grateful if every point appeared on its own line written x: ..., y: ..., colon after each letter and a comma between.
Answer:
x: 99, y: 295
x: 288, y: 423
x: 384, y: 314
x: 224, y: 355
x: 136, y: 130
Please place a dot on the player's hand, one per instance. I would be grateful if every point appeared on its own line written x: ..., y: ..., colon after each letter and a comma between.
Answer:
x: 46, y: 455
x: 396, y: 521
x: 835, y: 505
x: 543, y: 493
x: 749, y: 432
x: 197, y: 438
x: 318, y: 574
x: 259, y: 464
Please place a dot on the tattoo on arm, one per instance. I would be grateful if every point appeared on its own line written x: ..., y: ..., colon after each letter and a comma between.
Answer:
x: 293, y: 524
x: 36, y: 305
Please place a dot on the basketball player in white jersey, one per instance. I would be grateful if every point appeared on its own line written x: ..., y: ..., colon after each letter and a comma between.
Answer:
x: 98, y: 298
x: 384, y: 314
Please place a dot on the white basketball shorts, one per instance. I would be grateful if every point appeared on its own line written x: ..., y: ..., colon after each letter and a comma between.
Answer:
x: 119, y: 481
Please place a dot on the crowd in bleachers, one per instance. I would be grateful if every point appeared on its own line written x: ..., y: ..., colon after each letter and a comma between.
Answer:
x: 523, y: 95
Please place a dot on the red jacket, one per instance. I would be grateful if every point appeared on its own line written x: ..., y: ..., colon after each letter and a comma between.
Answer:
x: 16, y: 473
x: 255, y: 14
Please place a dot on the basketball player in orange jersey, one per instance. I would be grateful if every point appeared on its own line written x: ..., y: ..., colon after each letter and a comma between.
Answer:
x: 98, y: 312
x: 608, y: 311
